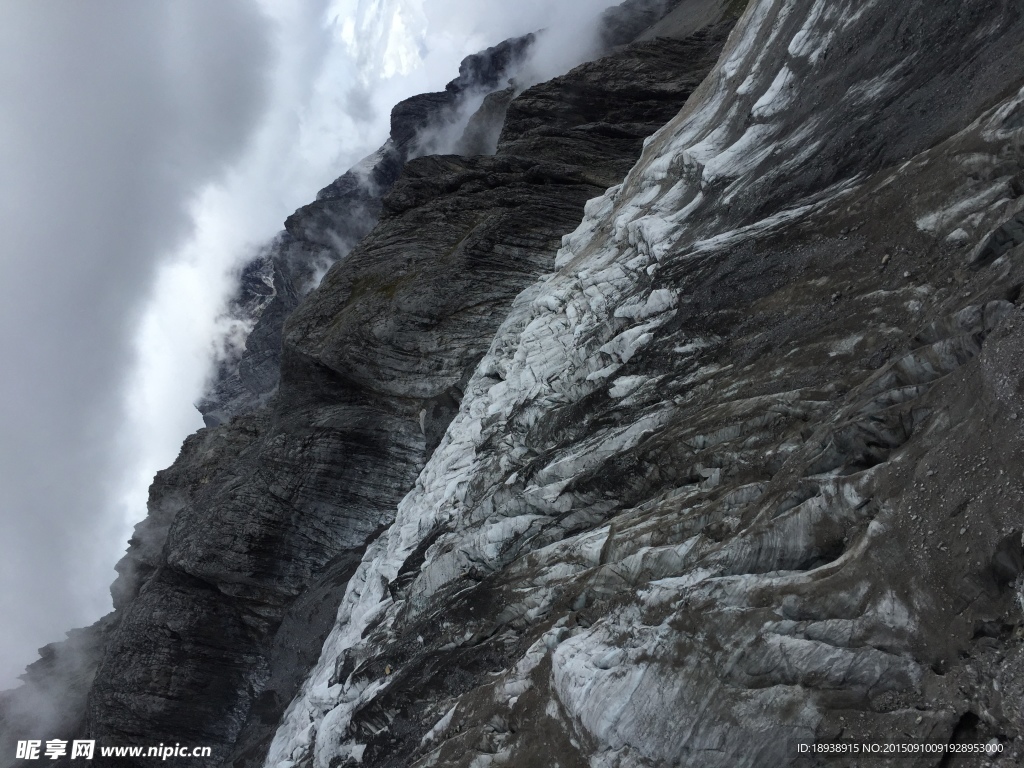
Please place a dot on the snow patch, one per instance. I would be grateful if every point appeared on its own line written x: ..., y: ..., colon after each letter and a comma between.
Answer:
x: 778, y: 96
x: 953, y: 215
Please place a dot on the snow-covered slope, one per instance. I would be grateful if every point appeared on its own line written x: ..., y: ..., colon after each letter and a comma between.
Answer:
x: 672, y: 519
x: 733, y: 465
x: 232, y: 582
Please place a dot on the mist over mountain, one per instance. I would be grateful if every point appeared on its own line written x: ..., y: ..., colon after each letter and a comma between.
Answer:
x: 149, y: 153
x: 651, y: 396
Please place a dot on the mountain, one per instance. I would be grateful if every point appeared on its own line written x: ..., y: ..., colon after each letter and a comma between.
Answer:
x: 682, y: 429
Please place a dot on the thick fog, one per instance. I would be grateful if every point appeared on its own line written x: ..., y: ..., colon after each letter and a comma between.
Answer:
x: 145, y: 150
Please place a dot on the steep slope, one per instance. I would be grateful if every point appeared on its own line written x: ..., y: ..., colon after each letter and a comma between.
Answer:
x: 232, y: 582
x: 320, y: 233
x: 744, y: 471
x: 735, y: 468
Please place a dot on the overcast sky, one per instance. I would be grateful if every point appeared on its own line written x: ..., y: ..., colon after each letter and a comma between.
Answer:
x: 145, y: 149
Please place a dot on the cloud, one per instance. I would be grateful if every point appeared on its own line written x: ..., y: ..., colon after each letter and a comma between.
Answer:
x: 461, y: 27
x: 147, y: 149
x: 113, y: 113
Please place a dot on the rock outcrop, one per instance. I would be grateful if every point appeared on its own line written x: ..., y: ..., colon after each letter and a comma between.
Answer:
x: 730, y: 467
x: 232, y: 582
x: 320, y: 233
x: 743, y: 472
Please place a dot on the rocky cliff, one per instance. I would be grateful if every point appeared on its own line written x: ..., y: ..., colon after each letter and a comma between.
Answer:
x: 326, y: 230
x: 682, y: 430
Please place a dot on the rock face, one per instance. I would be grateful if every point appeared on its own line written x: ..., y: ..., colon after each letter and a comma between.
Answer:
x: 743, y: 472
x: 232, y: 582
x: 320, y: 233
x: 732, y: 467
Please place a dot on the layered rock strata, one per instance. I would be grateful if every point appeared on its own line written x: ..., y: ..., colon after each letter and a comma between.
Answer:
x: 734, y: 468
x: 232, y: 582
x: 320, y: 233
x: 744, y: 471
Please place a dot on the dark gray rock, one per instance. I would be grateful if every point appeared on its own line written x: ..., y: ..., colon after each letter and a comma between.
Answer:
x: 596, y: 121
x: 740, y: 473
x: 1005, y: 238
x: 738, y: 469
x: 623, y: 23
x: 50, y: 703
x: 229, y: 586
x: 270, y: 288
x: 437, y: 414
x: 484, y: 127
x: 325, y: 230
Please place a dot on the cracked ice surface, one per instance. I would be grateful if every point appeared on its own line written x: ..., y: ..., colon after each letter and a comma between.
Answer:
x: 699, y: 189
x: 599, y: 309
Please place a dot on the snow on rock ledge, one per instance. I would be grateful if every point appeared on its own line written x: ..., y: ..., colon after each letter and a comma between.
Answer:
x: 756, y: 507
